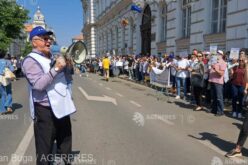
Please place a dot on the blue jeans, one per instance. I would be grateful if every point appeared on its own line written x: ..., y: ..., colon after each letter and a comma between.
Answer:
x: 173, y: 81
x: 237, y: 95
x: 217, y: 93
x: 6, y: 97
x: 184, y: 82
x: 130, y: 73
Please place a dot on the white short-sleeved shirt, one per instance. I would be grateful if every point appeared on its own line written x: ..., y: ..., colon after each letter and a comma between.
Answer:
x: 184, y: 63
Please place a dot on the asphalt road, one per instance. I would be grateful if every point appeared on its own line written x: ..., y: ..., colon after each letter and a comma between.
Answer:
x: 122, y: 123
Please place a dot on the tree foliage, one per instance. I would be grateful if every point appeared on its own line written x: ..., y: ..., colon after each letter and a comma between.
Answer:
x: 26, y: 49
x: 12, y: 19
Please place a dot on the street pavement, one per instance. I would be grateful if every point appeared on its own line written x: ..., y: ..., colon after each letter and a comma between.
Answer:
x: 123, y: 123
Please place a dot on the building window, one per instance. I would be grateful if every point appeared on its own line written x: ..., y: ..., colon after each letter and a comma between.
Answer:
x: 131, y: 29
x: 116, y: 37
x: 218, y: 24
x: 186, y: 8
x: 123, y: 37
x: 164, y: 23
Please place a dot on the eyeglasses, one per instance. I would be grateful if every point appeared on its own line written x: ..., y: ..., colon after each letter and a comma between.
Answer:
x: 45, y: 39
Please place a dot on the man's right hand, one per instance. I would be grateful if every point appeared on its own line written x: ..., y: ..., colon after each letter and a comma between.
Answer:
x: 60, y: 63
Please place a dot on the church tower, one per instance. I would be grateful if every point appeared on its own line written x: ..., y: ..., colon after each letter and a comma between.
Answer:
x: 39, y: 19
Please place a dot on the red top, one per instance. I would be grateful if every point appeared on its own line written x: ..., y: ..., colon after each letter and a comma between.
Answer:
x: 238, y: 76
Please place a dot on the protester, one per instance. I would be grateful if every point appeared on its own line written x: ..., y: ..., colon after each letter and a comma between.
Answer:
x: 238, y: 85
x: 106, y: 65
x: 14, y: 64
x: 181, y: 75
x: 173, y: 72
x: 216, y: 78
x: 100, y: 66
x: 130, y: 67
x: 197, y: 80
x: 244, y: 129
x: 5, y: 89
x: 50, y: 100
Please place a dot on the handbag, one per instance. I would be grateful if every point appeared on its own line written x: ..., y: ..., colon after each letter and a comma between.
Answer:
x: 197, y: 80
x: 7, y: 77
x: 8, y: 74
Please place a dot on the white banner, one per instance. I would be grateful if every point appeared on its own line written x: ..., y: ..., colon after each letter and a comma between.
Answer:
x: 160, y: 77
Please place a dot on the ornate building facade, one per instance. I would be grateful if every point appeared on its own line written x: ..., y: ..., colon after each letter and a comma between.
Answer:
x: 164, y: 26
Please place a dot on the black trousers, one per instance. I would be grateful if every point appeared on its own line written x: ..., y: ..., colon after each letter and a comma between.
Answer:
x: 198, y: 94
x: 47, y: 129
x: 243, y: 132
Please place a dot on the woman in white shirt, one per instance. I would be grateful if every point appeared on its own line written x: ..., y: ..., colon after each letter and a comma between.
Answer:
x: 181, y: 75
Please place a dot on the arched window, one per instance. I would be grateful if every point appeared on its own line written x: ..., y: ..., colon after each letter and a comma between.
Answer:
x: 123, y: 36
x: 186, y: 8
x: 131, y: 29
x: 111, y: 40
x: 163, y: 23
x: 107, y: 41
x: 116, y: 37
x: 218, y: 24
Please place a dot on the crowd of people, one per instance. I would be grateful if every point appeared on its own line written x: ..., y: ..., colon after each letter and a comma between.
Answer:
x: 203, y: 78
x: 217, y: 78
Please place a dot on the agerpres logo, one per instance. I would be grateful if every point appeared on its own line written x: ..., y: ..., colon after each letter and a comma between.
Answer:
x: 139, y: 119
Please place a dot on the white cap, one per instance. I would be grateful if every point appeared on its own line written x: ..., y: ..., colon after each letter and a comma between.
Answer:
x: 220, y: 52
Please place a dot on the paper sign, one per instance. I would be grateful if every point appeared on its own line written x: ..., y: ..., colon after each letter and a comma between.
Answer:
x: 213, y: 49
x: 234, y: 54
x: 213, y: 60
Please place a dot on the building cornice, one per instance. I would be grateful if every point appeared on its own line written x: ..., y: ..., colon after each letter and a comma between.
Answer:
x: 112, y: 12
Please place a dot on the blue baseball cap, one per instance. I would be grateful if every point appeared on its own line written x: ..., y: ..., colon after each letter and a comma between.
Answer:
x: 39, y: 31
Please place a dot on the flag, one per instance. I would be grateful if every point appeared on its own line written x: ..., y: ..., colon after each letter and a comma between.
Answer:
x: 136, y: 8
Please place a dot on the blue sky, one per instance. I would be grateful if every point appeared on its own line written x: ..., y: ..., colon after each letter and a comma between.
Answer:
x: 64, y: 16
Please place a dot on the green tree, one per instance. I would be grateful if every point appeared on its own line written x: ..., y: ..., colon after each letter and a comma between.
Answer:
x: 27, y: 49
x: 12, y: 19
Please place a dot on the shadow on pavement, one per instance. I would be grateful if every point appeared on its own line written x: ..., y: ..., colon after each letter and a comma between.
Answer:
x: 218, y: 142
x: 238, y: 125
x: 183, y: 105
x: 16, y: 106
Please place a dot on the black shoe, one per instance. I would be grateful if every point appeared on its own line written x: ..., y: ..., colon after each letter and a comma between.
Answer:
x: 233, y: 153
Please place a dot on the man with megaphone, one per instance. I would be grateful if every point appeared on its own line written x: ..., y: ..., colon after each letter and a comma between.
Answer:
x: 50, y: 100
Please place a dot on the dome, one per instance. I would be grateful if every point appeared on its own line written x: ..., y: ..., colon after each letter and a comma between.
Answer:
x: 38, y: 16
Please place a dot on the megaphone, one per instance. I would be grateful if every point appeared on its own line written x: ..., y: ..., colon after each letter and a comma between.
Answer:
x: 77, y: 51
